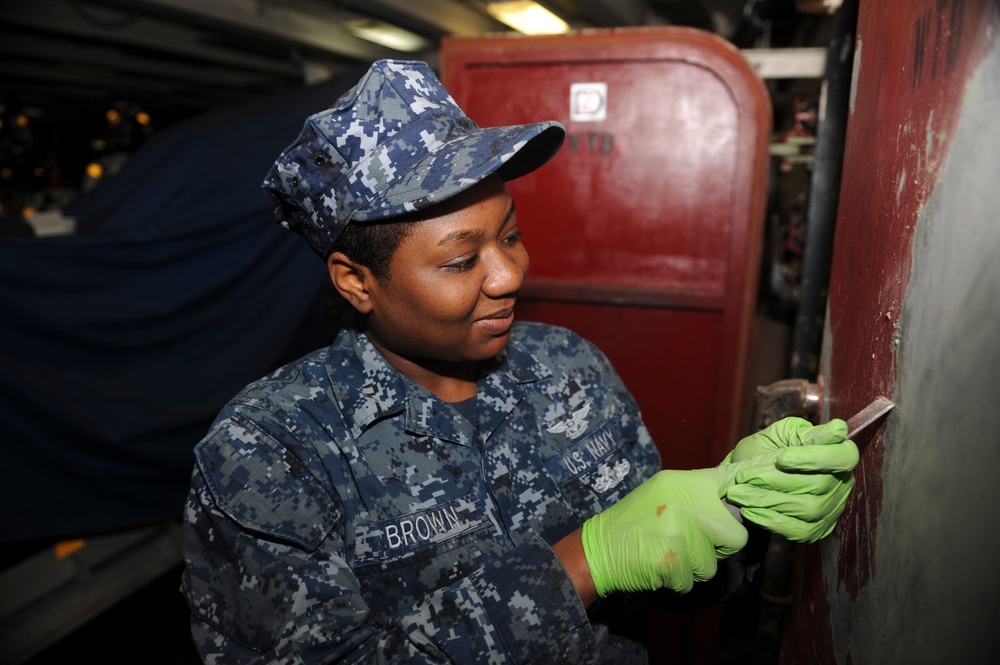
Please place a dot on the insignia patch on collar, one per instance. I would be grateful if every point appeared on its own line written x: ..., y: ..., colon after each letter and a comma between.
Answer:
x: 609, y: 477
x: 575, y: 425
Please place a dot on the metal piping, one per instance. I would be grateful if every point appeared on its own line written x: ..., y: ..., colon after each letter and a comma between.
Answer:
x: 824, y: 195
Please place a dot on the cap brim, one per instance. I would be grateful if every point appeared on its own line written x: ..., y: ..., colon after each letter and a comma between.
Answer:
x: 462, y: 161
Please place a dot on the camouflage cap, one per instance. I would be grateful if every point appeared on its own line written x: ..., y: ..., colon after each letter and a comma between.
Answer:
x: 395, y: 143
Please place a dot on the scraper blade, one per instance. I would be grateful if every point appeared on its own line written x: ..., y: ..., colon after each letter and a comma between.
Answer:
x: 868, y: 415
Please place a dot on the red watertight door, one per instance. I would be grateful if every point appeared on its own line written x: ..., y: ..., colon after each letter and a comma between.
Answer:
x: 644, y: 232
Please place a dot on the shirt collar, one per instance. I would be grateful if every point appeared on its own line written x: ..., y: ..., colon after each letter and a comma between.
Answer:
x: 369, y: 390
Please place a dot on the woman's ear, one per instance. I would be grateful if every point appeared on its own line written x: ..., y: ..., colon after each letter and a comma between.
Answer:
x: 351, y: 281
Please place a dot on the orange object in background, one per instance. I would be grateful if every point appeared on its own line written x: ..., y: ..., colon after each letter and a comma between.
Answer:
x: 66, y: 548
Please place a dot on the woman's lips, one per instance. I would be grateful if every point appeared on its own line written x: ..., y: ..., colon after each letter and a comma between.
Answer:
x: 497, y: 323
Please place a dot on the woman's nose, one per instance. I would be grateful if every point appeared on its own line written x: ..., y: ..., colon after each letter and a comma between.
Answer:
x: 505, y: 272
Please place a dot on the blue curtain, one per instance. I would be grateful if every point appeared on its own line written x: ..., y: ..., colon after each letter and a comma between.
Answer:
x: 120, y: 343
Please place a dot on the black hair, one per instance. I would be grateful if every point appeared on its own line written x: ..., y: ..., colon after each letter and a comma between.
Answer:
x: 373, y: 245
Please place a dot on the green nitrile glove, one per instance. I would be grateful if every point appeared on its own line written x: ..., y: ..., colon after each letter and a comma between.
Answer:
x: 788, y: 433
x: 801, y: 496
x: 667, y: 533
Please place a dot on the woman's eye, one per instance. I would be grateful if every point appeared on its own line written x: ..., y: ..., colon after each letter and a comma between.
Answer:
x: 464, y: 264
x: 512, y: 238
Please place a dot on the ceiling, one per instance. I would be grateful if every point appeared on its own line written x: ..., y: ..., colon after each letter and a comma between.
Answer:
x: 177, y: 58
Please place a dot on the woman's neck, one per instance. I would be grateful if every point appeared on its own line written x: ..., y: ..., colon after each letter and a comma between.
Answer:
x: 451, y: 381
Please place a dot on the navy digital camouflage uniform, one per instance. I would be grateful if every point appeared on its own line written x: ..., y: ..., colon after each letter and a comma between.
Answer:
x: 341, y: 513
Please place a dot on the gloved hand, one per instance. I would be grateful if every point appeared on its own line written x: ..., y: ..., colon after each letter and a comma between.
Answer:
x: 787, y: 433
x: 801, y: 496
x: 667, y: 533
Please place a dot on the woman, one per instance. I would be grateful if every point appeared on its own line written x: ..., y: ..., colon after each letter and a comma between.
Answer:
x: 442, y: 483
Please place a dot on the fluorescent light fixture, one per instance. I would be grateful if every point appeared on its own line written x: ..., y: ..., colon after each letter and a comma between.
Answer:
x: 527, y: 17
x: 387, y: 35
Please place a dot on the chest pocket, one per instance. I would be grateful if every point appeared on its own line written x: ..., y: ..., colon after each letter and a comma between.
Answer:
x: 595, y: 471
x: 401, y: 559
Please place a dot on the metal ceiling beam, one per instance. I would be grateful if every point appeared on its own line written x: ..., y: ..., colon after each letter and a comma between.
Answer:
x: 615, y: 13
x: 100, y: 82
x: 89, y: 58
x: 694, y: 13
x: 143, y: 33
x: 318, y: 29
x: 788, y: 63
x: 444, y: 17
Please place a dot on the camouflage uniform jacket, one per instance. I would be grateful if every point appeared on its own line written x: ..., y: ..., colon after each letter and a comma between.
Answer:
x: 341, y: 513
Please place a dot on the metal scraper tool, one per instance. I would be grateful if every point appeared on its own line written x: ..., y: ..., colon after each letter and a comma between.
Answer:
x: 868, y: 415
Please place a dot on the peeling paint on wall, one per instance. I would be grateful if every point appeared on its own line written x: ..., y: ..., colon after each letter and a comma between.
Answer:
x: 914, y: 314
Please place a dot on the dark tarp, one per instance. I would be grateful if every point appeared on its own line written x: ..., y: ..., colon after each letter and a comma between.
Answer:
x: 119, y: 344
